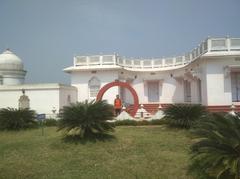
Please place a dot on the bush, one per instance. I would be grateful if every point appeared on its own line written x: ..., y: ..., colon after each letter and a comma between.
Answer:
x: 184, y: 115
x: 217, y: 150
x: 16, y: 119
x: 126, y: 123
x: 138, y: 123
x: 87, y: 119
x: 157, y: 122
x: 50, y: 122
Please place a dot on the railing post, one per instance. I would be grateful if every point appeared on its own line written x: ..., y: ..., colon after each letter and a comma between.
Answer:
x: 101, y: 60
x: 163, y: 62
x: 190, y: 57
x: 183, y: 60
x: 228, y: 44
x: 202, y: 47
x: 132, y: 63
x: 152, y: 63
x: 198, y: 50
x: 174, y: 61
x: 141, y: 63
x: 209, y: 44
x: 87, y: 60
x: 114, y: 59
x: 124, y: 62
x: 74, y: 61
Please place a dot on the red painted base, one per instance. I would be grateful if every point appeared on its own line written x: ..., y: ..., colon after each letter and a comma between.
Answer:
x: 153, y: 108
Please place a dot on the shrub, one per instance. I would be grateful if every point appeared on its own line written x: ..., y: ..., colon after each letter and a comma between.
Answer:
x: 16, y: 119
x: 126, y: 123
x: 87, y: 119
x: 217, y: 150
x: 184, y: 115
x: 157, y: 122
x: 138, y: 123
x: 50, y: 122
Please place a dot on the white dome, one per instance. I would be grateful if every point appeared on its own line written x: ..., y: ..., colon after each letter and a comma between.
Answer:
x: 9, y: 61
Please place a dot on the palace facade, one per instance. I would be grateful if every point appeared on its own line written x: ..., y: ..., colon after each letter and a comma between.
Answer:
x: 208, y: 75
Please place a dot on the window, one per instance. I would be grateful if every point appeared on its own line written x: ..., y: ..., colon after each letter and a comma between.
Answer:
x: 94, y: 86
x: 69, y: 99
x: 235, y: 79
x: 187, y: 91
x: 199, y: 90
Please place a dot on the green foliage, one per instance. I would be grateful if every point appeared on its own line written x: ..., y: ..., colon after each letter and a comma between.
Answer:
x: 16, y: 119
x: 125, y: 123
x: 50, y: 122
x: 184, y: 115
x: 157, y: 122
x: 217, y: 150
x: 87, y: 119
x: 138, y: 123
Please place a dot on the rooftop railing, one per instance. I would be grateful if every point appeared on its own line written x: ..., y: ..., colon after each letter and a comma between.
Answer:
x: 209, y: 45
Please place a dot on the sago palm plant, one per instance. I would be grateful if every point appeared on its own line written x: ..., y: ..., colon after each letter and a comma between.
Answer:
x: 217, y: 150
x: 86, y: 119
x: 184, y: 115
x: 16, y: 119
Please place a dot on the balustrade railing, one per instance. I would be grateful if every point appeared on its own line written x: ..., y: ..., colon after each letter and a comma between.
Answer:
x: 209, y: 45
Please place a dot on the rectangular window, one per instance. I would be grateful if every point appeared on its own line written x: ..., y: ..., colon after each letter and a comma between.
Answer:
x: 235, y: 80
x: 187, y: 91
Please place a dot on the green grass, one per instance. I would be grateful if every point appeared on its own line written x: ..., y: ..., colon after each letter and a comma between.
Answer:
x: 137, y: 152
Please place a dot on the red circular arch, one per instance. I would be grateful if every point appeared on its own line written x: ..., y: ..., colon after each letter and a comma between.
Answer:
x: 124, y: 85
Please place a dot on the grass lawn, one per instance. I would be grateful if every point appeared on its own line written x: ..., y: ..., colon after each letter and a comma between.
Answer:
x: 137, y: 152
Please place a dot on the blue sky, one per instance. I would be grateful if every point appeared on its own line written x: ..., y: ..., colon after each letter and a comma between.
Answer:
x: 46, y: 34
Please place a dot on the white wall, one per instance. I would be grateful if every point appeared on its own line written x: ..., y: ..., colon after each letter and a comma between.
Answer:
x: 63, y: 96
x: 215, y: 86
x: 43, y: 100
x: 219, y: 85
x: 170, y: 90
x: 80, y: 80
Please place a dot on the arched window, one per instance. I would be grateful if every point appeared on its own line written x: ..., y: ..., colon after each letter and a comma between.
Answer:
x: 94, y: 86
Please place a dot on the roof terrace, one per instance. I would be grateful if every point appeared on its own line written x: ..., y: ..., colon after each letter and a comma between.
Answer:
x: 209, y: 47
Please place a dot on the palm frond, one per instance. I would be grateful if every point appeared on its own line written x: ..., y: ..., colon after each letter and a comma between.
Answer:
x: 184, y: 115
x: 218, y: 148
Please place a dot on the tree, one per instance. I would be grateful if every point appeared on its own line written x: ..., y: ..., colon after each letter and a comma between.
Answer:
x: 86, y: 119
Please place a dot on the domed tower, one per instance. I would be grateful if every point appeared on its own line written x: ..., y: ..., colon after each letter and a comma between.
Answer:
x: 11, y: 69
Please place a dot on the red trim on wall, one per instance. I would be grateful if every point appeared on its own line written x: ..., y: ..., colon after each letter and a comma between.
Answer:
x: 153, y: 108
x: 223, y: 108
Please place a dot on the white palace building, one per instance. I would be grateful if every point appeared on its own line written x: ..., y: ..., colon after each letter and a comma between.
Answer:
x: 208, y: 75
